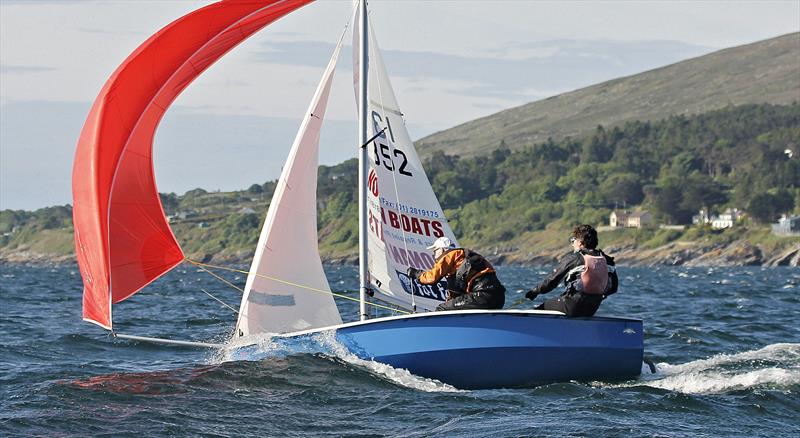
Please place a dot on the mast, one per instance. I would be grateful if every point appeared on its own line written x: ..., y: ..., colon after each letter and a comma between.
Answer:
x: 362, y: 160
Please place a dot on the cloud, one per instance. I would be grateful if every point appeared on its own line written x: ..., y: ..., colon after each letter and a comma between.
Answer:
x: 23, y: 69
x: 110, y: 32
x: 42, y: 2
x: 228, y: 152
x: 511, y: 72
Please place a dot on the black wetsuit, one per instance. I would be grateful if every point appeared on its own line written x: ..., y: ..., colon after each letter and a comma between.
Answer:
x: 487, y: 293
x: 573, y: 302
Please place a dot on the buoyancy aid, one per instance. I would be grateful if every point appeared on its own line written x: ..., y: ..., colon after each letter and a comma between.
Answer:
x: 594, y: 277
x: 472, y: 265
x: 469, y: 266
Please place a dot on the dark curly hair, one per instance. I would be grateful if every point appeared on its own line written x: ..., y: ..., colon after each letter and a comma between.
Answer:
x: 586, y: 234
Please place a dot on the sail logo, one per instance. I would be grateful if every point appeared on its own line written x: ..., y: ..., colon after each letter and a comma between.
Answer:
x: 372, y: 182
x: 436, y: 291
x: 412, y: 224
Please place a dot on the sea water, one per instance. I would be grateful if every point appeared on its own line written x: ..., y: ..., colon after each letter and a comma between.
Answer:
x: 726, y: 342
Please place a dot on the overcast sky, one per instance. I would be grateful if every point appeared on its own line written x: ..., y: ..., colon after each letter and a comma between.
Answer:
x: 450, y: 62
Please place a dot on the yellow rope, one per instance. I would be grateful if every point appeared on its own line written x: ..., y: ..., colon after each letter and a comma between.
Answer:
x: 205, y: 265
x: 199, y: 265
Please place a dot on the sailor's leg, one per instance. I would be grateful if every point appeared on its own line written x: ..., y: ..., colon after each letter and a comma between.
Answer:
x: 581, y: 304
x: 461, y: 302
x: 577, y: 304
x: 557, y: 304
x: 474, y: 300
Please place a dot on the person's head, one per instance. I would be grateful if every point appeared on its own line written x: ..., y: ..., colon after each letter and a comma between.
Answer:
x: 441, y: 245
x: 583, y: 236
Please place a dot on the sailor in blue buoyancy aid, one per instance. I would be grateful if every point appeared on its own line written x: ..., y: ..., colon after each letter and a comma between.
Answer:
x: 589, y: 277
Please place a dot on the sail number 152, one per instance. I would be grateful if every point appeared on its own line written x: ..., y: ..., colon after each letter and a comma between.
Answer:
x: 384, y: 155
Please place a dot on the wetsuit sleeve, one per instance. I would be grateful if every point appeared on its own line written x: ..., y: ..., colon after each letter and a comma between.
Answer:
x: 564, y: 266
x: 446, y: 265
x: 612, y: 276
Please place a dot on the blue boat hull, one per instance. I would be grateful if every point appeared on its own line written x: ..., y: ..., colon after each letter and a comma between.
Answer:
x: 502, y: 349
x: 497, y: 349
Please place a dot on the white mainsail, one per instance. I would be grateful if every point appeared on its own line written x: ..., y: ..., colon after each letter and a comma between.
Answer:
x: 404, y: 215
x: 286, y: 288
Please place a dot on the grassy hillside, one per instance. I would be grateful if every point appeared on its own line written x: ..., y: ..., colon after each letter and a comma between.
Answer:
x: 763, y: 72
x: 520, y: 203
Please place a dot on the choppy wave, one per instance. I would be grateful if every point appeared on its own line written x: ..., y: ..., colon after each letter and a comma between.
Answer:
x: 62, y: 377
x: 398, y: 376
x: 775, y: 366
x: 270, y: 347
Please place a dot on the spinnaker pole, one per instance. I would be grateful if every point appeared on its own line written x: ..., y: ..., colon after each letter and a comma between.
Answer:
x: 362, y: 160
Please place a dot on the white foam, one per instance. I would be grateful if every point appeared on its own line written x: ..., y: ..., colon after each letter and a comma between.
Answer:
x: 264, y: 346
x: 729, y: 372
x: 709, y: 382
x: 325, y: 342
x: 783, y: 352
x: 398, y: 376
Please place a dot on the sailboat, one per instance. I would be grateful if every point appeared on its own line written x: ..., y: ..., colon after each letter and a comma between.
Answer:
x: 123, y: 241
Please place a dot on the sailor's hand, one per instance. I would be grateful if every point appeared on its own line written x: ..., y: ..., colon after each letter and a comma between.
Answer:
x: 531, y: 294
x: 453, y: 294
x: 413, y: 272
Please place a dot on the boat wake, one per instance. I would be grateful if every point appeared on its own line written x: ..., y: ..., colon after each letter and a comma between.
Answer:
x: 775, y: 366
x: 325, y: 343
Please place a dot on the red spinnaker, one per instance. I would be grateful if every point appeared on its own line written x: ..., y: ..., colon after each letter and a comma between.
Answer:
x: 122, y: 239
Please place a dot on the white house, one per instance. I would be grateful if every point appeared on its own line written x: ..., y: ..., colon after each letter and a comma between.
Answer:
x: 787, y: 226
x: 725, y: 220
x: 618, y: 218
x: 638, y: 219
x: 703, y: 217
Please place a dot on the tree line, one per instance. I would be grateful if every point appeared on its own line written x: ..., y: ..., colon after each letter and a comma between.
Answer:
x: 746, y: 157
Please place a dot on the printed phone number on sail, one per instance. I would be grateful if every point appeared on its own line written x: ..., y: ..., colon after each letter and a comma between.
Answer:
x: 409, y: 209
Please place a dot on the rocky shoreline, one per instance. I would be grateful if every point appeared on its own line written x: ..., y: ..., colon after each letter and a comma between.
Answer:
x: 739, y: 253
x: 680, y: 253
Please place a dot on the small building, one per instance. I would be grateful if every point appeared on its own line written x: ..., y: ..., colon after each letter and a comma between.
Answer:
x: 726, y: 220
x: 638, y: 219
x: 787, y: 226
x: 181, y: 216
x: 618, y: 218
x: 246, y: 210
x: 703, y: 217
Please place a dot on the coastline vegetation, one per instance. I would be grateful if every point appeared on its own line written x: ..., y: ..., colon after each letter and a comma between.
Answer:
x: 745, y: 157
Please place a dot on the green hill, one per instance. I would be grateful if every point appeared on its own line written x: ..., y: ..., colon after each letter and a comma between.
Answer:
x: 763, y: 72
x: 519, y: 204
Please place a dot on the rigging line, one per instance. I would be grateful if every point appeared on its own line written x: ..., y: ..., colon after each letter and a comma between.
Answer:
x: 396, y: 307
x: 226, y: 282
x: 219, y: 301
x: 394, y: 167
x: 229, y: 284
x: 202, y: 265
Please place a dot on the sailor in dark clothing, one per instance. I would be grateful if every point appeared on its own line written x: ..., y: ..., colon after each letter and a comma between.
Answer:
x: 471, y: 280
x: 589, y: 276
